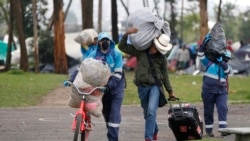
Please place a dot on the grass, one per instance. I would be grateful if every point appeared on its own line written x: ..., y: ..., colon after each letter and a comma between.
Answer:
x: 26, y: 89
x: 188, y: 88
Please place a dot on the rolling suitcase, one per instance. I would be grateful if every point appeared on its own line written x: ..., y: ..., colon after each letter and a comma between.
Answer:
x: 184, y: 121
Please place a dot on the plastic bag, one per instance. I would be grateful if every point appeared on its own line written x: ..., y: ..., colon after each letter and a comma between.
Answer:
x: 149, y: 27
x: 216, y: 47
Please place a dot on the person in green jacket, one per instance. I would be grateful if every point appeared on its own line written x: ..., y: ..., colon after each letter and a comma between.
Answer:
x: 148, y: 90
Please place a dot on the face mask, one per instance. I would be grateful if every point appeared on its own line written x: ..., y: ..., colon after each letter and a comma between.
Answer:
x: 105, y: 46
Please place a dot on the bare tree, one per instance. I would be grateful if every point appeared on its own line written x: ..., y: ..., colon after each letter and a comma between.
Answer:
x: 87, y: 14
x: 24, y: 65
x: 10, y: 39
x: 51, y: 19
x: 125, y: 7
x: 67, y: 9
x: 145, y: 3
x: 182, y: 8
x: 203, y: 19
x: 114, y: 20
x: 219, y: 11
x: 36, y: 54
x: 60, y: 59
x: 156, y: 2
x: 100, y: 16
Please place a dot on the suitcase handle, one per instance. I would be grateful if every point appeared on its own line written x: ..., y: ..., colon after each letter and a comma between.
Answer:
x: 173, y: 99
x: 171, y: 106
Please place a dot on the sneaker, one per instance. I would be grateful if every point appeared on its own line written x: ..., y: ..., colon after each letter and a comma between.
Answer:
x: 225, y: 134
x: 209, y: 135
x: 155, y: 138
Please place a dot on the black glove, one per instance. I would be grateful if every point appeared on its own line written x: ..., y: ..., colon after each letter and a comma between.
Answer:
x: 107, y: 89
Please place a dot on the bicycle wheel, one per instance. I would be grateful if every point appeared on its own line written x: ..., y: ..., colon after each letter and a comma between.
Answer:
x: 85, y: 133
x: 78, y: 123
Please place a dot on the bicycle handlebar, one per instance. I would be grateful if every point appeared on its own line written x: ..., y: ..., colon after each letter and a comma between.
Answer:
x: 69, y: 83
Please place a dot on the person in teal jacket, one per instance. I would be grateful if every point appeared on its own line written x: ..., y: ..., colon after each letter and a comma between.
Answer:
x: 215, y: 87
x: 86, y: 50
x: 114, y: 93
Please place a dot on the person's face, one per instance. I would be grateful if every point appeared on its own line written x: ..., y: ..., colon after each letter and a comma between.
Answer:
x: 104, y: 45
x: 153, y: 49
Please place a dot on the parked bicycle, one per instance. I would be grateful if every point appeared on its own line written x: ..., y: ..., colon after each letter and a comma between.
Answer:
x: 82, y: 119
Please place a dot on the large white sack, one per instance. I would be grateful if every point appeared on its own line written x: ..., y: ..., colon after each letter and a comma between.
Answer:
x: 75, y: 98
x: 93, y: 102
x: 149, y: 27
x: 95, y: 72
x: 86, y: 37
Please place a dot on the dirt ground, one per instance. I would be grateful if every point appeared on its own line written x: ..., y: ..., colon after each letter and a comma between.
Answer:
x: 56, y: 97
x: 51, y: 120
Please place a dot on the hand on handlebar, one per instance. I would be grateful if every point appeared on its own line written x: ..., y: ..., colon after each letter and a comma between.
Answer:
x: 172, y: 97
x: 66, y: 83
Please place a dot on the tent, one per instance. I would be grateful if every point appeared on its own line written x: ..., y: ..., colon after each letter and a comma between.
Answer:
x: 3, y: 52
x: 243, y: 53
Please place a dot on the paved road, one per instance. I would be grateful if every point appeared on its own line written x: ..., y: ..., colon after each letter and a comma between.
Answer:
x: 53, y: 123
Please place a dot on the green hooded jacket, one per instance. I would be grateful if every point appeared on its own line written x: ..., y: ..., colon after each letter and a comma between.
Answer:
x: 143, y: 75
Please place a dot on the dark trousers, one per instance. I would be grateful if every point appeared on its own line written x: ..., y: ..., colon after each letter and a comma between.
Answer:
x: 112, y: 102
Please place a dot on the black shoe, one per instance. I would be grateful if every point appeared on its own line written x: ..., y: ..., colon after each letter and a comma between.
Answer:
x: 225, y: 134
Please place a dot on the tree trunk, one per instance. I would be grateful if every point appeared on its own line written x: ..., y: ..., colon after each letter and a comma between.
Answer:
x: 219, y: 11
x: 203, y: 19
x: 24, y: 65
x: 87, y: 14
x: 100, y: 16
x: 60, y: 59
x: 10, y: 39
x: 125, y: 7
x: 36, y: 54
x: 114, y: 20
x: 67, y: 10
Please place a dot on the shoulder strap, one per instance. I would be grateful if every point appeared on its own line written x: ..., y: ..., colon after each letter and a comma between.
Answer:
x: 153, y: 70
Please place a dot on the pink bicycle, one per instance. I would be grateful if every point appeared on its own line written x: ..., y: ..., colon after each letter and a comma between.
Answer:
x: 82, y: 119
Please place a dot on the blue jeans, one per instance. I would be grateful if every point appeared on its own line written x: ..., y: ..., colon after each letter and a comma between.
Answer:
x: 149, y: 96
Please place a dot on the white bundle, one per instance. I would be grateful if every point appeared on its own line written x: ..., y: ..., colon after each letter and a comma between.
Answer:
x: 95, y: 72
x: 86, y: 37
x: 93, y: 102
x: 149, y: 27
x: 75, y: 98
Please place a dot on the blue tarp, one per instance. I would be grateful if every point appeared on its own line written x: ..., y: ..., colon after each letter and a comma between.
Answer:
x: 3, y: 50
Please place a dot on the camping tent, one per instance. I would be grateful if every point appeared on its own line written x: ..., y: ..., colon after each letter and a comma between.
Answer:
x: 3, y: 52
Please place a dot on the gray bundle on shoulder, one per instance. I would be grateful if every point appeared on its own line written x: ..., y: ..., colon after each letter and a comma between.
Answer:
x: 149, y: 27
x: 218, y: 39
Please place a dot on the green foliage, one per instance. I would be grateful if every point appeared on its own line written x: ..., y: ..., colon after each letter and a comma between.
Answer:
x: 46, y: 47
x: 188, y: 88
x: 191, y: 29
x: 245, y: 20
x: 16, y: 71
x: 28, y: 16
x: 25, y: 89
